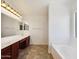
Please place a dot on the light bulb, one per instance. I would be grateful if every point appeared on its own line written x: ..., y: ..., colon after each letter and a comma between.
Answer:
x: 12, y: 10
x: 3, y: 4
x: 8, y: 8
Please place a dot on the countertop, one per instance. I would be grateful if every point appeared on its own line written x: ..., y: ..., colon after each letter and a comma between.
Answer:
x: 6, y: 41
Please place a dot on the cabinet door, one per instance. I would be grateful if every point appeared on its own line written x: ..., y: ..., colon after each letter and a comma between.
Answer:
x: 15, y: 50
x: 6, y: 53
x: 28, y: 41
x: 22, y: 44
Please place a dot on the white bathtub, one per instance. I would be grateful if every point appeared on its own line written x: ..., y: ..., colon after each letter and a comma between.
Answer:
x: 64, y: 52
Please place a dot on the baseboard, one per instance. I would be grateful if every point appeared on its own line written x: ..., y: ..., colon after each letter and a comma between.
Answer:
x: 38, y: 44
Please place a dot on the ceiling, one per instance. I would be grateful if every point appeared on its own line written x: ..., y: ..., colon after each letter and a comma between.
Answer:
x: 34, y: 7
x: 30, y: 7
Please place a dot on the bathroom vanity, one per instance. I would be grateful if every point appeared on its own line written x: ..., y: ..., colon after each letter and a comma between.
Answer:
x: 12, y: 38
x: 12, y: 47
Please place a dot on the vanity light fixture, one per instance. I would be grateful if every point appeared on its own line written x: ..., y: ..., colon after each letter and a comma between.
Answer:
x: 9, y: 8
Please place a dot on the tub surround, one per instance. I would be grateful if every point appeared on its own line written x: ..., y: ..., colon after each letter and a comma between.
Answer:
x: 62, y: 44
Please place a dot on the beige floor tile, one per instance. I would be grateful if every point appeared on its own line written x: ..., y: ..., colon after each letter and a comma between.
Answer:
x: 35, y: 52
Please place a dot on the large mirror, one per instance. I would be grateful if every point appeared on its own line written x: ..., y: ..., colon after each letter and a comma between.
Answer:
x: 9, y: 26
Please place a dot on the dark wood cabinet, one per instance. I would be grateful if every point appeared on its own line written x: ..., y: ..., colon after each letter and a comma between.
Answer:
x: 7, y: 49
x: 15, y: 50
x: 27, y: 41
x: 12, y: 51
x: 6, y: 53
x: 24, y: 42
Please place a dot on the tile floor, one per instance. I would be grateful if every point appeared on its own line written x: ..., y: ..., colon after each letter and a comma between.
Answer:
x: 35, y: 52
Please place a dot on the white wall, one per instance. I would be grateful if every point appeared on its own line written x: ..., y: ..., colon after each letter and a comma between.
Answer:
x: 38, y: 26
x: 37, y: 17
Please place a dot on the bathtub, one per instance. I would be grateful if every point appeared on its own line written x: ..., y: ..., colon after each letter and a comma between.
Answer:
x: 63, y: 52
